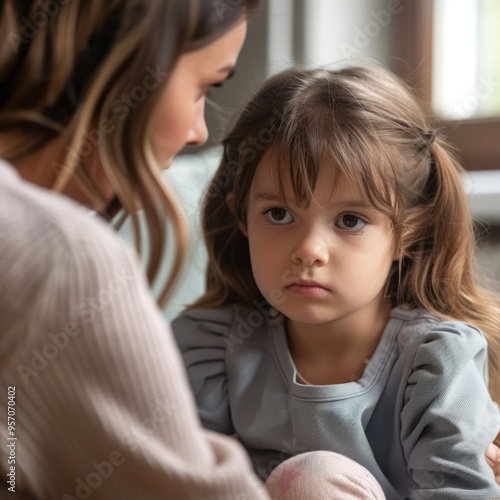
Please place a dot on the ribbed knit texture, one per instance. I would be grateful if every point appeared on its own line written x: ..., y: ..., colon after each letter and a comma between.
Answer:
x: 103, y: 409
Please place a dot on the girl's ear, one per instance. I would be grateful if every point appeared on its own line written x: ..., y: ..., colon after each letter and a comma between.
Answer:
x: 230, y: 205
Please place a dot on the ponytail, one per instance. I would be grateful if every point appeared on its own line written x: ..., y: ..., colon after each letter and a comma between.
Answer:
x: 438, y: 271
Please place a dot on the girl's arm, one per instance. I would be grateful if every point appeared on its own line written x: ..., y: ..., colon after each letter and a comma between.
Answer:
x: 448, y: 418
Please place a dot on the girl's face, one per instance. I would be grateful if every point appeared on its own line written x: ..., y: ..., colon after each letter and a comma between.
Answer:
x: 179, y: 118
x: 326, y: 263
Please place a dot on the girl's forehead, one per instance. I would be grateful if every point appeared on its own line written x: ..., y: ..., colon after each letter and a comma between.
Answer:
x: 275, y: 175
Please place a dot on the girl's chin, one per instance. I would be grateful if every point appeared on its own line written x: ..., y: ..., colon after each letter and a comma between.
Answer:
x: 310, y: 316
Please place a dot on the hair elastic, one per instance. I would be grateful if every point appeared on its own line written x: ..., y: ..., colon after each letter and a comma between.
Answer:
x: 429, y: 137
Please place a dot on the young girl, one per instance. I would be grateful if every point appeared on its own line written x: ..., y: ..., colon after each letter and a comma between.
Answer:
x: 342, y: 310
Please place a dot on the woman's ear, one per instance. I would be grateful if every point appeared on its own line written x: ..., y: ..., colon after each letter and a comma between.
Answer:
x: 232, y: 209
x: 243, y: 229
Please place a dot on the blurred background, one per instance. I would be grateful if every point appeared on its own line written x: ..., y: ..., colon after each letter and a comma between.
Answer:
x: 448, y: 50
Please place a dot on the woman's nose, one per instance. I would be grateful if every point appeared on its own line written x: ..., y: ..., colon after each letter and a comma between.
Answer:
x: 198, y: 134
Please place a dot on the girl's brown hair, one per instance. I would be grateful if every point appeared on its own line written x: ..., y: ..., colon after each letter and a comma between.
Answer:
x: 92, y: 71
x: 369, y: 125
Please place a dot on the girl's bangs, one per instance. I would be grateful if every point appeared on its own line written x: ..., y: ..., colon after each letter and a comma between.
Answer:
x: 300, y: 150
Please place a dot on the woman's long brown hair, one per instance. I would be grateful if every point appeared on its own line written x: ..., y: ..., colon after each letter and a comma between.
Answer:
x: 91, y: 71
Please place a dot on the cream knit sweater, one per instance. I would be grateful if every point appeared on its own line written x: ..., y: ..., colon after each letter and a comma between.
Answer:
x: 93, y: 395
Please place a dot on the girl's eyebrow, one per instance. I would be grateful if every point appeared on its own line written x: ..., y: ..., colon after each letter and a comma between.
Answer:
x: 265, y: 196
x: 361, y: 204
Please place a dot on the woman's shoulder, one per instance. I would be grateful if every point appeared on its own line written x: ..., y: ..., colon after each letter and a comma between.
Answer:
x: 34, y: 213
x: 41, y: 231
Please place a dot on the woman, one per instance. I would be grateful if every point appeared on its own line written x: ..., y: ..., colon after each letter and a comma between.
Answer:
x: 94, y: 96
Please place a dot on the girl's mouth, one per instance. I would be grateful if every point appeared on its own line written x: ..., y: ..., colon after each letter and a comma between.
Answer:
x: 307, y: 288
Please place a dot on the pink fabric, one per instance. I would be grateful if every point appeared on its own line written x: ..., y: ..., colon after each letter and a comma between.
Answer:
x: 319, y: 475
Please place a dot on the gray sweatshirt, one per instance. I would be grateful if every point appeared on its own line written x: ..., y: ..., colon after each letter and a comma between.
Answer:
x: 419, y: 418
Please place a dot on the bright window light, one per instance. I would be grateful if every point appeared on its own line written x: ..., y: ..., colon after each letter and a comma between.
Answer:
x: 466, y: 68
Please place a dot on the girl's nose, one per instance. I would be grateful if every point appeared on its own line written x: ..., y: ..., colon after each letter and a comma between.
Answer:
x: 310, y: 250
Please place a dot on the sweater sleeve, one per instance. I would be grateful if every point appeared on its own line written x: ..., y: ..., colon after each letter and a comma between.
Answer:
x: 103, y: 404
x: 202, y: 335
x: 448, y: 418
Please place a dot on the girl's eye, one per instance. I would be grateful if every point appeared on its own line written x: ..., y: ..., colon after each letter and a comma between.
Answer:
x: 278, y: 215
x: 351, y: 222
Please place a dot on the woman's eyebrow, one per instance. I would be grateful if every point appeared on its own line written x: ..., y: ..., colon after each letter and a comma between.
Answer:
x: 230, y: 70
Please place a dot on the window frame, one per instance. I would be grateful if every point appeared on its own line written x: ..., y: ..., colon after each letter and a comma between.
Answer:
x: 478, y: 139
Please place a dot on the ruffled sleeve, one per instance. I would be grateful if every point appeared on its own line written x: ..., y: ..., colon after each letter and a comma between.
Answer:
x: 448, y: 418
x: 202, y: 336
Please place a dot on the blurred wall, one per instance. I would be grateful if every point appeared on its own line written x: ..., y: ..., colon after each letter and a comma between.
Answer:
x: 283, y: 33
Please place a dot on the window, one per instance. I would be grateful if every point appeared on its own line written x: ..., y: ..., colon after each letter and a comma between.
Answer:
x: 466, y: 65
x: 450, y: 53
